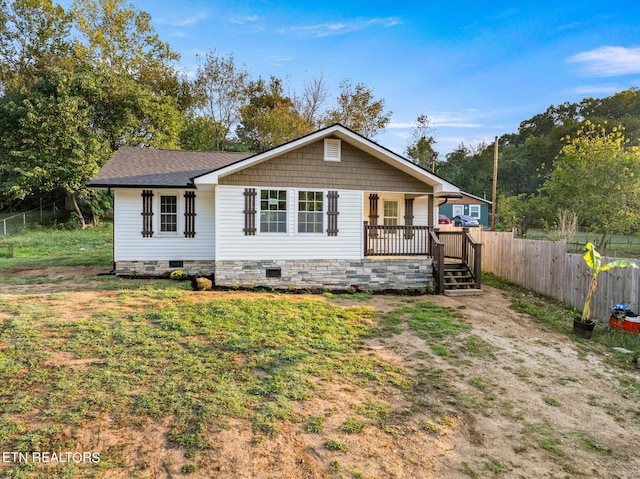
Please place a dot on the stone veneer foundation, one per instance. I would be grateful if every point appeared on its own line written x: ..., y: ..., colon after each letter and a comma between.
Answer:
x: 159, y: 268
x: 340, y: 274
x: 369, y: 274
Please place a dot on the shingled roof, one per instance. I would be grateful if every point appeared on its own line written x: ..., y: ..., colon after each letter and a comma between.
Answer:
x: 132, y: 167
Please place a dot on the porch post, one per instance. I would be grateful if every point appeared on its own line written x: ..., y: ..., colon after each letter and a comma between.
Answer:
x: 431, y: 220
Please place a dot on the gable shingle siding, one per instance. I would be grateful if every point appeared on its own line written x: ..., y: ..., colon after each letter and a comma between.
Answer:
x: 305, y: 168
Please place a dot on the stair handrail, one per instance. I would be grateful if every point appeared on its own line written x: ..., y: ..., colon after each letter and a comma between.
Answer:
x: 437, y: 250
x: 475, y: 265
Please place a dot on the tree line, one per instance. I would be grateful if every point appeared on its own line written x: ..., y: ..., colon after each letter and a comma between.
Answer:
x: 77, y: 84
x: 578, y: 158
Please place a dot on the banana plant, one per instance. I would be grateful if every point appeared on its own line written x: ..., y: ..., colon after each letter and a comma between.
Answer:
x: 594, y: 261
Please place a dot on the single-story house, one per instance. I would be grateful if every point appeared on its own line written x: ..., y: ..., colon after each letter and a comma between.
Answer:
x: 330, y: 210
x: 469, y: 205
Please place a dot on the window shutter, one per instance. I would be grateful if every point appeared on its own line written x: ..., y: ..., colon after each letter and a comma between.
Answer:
x: 332, y: 213
x: 190, y: 214
x: 249, y: 212
x: 373, y: 214
x: 147, y: 213
x: 408, y: 217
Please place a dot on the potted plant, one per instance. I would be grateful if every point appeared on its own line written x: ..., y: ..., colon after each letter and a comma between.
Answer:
x: 583, y: 326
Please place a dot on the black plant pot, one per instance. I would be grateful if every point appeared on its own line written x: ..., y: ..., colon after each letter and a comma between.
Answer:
x: 583, y: 330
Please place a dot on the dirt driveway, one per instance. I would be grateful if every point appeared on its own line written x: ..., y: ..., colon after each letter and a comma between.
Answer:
x: 534, y: 404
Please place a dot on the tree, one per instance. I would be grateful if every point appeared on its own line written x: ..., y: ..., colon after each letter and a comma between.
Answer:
x: 221, y: 90
x: 358, y: 111
x: 309, y: 104
x: 471, y: 168
x: 118, y: 37
x: 270, y: 118
x: 420, y: 149
x: 34, y: 34
x: 597, y: 176
x: 201, y: 133
x: 57, y: 134
x: 48, y: 142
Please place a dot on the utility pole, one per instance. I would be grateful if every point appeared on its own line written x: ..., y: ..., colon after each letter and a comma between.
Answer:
x: 433, y: 162
x: 495, y: 182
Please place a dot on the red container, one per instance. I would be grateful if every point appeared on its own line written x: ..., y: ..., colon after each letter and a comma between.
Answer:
x: 630, y: 325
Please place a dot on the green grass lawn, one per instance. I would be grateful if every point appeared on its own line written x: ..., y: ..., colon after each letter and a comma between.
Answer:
x: 616, y: 245
x: 57, y: 247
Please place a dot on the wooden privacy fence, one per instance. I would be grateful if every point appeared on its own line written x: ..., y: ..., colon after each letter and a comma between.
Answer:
x: 545, y: 267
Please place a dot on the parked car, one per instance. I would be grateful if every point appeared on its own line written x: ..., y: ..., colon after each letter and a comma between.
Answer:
x: 465, y: 221
x: 443, y: 220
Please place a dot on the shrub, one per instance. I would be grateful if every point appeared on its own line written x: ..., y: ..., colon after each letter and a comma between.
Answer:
x: 178, y: 275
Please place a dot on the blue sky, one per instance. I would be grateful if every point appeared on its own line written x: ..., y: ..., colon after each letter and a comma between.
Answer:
x: 476, y: 68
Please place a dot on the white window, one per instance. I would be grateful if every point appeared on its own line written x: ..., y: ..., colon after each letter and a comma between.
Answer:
x: 168, y: 214
x: 332, y: 149
x: 390, y: 213
x: 310, y: 212
x: 458, y: 210
x: 474, y: 211
x: 273, y: 211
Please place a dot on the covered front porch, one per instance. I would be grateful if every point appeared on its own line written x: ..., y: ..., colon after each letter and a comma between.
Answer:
x: 456, y: 255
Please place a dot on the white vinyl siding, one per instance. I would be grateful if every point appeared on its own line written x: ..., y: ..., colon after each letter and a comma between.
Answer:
x: 129, y: 245
x: 232, y: 244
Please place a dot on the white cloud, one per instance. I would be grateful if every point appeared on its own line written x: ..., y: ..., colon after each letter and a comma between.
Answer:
x: 190, y: 21
x: 594, y: 89
x: 609, y: 61
x: 244, y: 20
x: 340, y: 28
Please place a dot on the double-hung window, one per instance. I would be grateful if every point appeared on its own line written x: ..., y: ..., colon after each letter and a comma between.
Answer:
x: 273, y: 211
x: 168, y: 214
x: 310, y: 212
x: 390, y: 217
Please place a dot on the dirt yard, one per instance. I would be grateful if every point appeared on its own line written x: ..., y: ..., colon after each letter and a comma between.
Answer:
x: 535, y: 404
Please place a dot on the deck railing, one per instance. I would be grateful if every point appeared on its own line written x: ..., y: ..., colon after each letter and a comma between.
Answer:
x: 456, y: 245
x: 396, y: 240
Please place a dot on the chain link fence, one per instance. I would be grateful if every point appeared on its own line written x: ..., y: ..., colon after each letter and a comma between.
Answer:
x: 13, y: 223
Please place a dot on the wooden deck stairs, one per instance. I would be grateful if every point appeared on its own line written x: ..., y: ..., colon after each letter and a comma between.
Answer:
x: 459, y: 280
x: 456, y: 262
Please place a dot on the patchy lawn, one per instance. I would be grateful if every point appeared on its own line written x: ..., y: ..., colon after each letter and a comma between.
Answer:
x: 159, y: 381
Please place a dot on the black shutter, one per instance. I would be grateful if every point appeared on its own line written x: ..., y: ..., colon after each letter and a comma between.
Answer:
x: 332, y: 213
x: 373, y: 215
x: 190, y: 214
x: 249, y: 212
x: 147, y: 213
x: 408, y: 217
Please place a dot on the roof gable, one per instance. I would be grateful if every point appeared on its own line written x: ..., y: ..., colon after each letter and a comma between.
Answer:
x: 436, y: 183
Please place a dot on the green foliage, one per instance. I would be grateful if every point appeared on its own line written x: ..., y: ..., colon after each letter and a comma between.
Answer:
x: 593, y: 260
x: 178, y: 275
x: 597, y: 175
x: 358, y: 111
x: 270, y: 118
x: 335, y: 445
x: 420, y: 149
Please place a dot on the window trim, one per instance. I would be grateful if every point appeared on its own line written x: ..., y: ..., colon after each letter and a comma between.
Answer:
x: 323, y: 212
x: 176, y: 214
x: 479, y: 210
x: 286, y: 211
x: 384, y: 212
